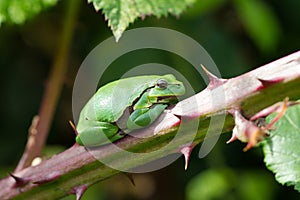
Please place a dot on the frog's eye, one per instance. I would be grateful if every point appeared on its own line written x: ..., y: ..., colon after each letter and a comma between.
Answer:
x: 162, y: 84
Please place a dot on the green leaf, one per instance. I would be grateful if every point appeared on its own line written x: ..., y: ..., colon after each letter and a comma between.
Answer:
x: 260, y: 22
x: 281, y: 149
x: 18, y: 11
x: 120, y: 13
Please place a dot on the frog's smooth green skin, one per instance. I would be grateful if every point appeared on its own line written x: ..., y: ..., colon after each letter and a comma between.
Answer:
x: 127, y: 104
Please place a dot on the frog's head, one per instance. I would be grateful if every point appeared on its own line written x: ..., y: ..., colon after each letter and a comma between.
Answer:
x: 166, y: 89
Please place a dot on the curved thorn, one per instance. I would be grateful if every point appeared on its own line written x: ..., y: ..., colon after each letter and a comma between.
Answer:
x: 277, y: 107
x: 265, y: 112
x: 73, y: 127
x: 268, y: 83
x: 233, y: 138
x: 79, y: 191
x: 18, y: 180
x: 282, y: 110
x: 130, y: 177
x: 214, y: 81
x: 186, y: 151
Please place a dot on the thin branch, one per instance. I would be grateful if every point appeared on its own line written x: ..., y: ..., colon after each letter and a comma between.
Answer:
x: 76, y: 168
x: 39, y: 129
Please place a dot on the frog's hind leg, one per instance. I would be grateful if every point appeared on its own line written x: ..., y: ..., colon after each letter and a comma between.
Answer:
x: 143, y: 117
x: 97, y: 133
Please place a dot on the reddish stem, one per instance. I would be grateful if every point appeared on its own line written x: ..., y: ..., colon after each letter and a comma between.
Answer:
x: 41, y: 124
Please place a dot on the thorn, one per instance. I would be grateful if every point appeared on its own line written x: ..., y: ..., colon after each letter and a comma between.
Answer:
x: 18, y: 180
x: 130, y: 177
x: 233, y: 137
x: 265, y: 112
x: 268, y: 83
x: 50, y: 177
x: 248, y: 146
x: 277, y: 107
x: 79, y: 191
x: 293, y: 103
x: 214, y: 81
x: 73, y: 127
x: 186, y: 151
x: 281, y: 110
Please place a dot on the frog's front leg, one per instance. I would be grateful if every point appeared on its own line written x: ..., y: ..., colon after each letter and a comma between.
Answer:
x: 95, y: 133
x: 143, y: 117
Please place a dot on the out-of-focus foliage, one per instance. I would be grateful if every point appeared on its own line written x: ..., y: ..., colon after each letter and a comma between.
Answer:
x: 282, y: 152
x: 258, y: 19
x: 204, y: 6
x: 214, y: 184
x: 120, y: 13
x: 260, y: 22
x: 17, y: 11
x: 210, y: 184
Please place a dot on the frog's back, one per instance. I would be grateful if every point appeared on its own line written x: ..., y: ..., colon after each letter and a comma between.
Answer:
x: 110, y: 101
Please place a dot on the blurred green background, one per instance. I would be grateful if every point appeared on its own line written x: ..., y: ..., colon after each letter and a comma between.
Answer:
x: 239, y: 35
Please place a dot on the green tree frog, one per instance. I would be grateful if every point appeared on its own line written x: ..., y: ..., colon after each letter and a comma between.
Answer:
x: 124, y: 105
